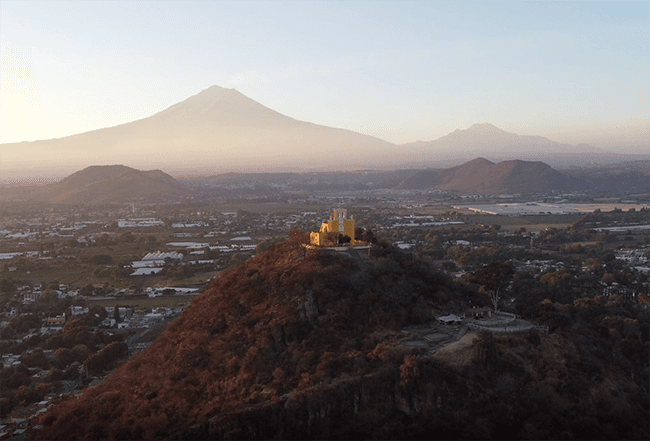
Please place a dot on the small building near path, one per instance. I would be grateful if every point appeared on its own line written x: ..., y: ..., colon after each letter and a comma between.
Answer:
x: 480, y: 312
x: 450, y: 319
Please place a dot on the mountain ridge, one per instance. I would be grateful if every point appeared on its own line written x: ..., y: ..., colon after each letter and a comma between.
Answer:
x: 222, y: 129
x: 216, y: 128
x: 461, y: 139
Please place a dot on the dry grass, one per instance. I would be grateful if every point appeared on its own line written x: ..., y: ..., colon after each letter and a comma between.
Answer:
x: 458, y: 353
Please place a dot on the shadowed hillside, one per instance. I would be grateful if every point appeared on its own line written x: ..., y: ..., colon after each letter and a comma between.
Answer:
x: 303, y: 344
x: 622, y: 177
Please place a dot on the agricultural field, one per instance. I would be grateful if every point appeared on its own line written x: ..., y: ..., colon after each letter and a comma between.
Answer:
x: 143, y: 301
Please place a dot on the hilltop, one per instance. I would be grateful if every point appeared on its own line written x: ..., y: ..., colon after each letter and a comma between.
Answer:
x: 483, y: 176
x: 101, y: 184
x: 297, y: 344
x: 216, y: 129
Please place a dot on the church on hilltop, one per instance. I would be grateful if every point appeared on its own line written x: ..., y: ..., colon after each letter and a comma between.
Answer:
x: 338, y: 223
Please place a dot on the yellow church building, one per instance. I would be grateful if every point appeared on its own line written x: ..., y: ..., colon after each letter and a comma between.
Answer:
x: 338, y: 223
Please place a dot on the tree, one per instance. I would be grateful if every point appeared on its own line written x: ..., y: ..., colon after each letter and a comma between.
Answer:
x: 592, y: 264
x: 102, y: 259
x: 63, y: 357
x: 71, y: 329
x: 644, y: 299
x: 409, y: 370
x: 555, y: 278
x: 495, y: 298
x: 431, y: 239
x: 6, y: 285
x: 127, y: 237
x: 494, y: 275
x: 298, y: 236
x: 331, y: 238
x: 608, y: 278
x: 36, y: 359
x: 104, y: 359
x: 103, y: 240
x: 369, y: 236
x: 79, y: 353
x: 97, y: 310
x: 87, y: 290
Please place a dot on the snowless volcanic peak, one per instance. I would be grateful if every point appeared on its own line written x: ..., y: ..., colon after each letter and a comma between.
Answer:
x: 216, y: 129
x: 485, y: 128
x: 219, y: 106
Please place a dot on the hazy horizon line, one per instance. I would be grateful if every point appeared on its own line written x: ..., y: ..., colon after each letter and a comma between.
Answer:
x: 556, y: 134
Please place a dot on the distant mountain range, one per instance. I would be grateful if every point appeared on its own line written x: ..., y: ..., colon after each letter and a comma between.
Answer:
x: 221, y: 130
x: 102, y: 184
x: 486, y: 140
x: 120, y: 184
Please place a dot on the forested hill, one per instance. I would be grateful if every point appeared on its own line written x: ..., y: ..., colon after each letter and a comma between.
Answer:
x: 298, y: 343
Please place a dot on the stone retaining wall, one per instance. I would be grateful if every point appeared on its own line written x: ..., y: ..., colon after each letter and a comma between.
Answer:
x: 492, y: 324
x: 543, y: 329
x: 508, y: 314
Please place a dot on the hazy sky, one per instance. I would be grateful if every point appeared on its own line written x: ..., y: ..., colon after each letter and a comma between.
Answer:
x: 401, y: 71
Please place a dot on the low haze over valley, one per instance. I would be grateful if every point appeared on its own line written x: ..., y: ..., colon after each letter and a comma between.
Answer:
x: 221, y: 130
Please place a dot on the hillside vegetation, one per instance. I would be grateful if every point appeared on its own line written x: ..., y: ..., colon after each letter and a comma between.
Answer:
x: 101, y: 185
x: 298, y: 343
x: 483, y: 176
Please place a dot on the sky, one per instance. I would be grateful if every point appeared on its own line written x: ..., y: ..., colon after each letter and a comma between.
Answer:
x: 575, y: 72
